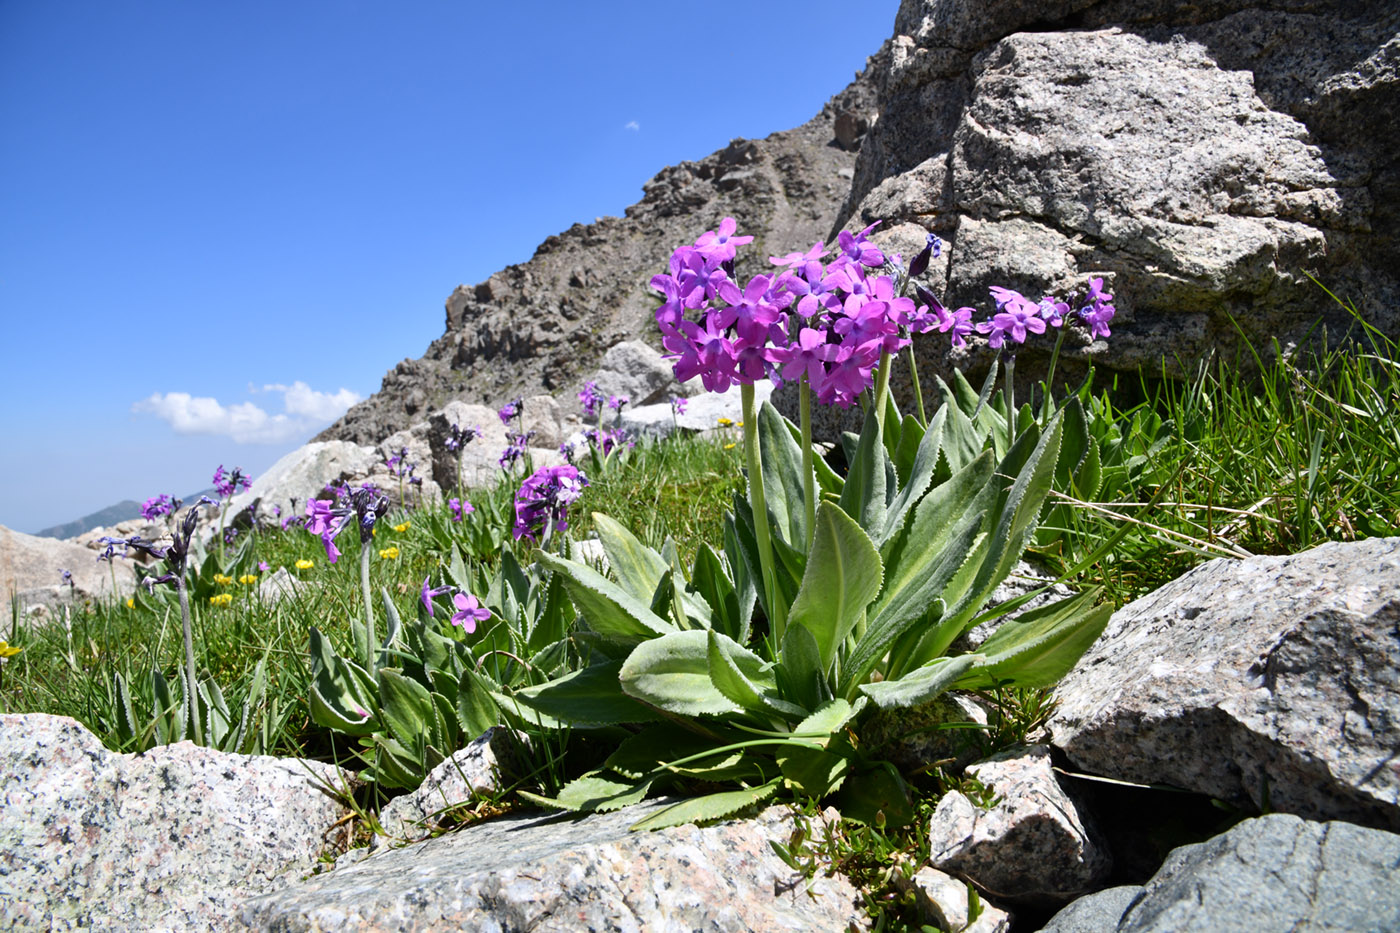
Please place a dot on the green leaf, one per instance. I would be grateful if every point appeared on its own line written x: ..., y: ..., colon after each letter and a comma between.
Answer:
x: 828, y: 482
x: 920, y: 685
x: 673, y: 673
x: 609, y: 610
x: 863, y: 497
x: 843, y: 575
x: 637, y: 567
x: 710, y: 581
x: 916, y: 477
x: 911, y: 435
x: 877, y: 791
x: 590, y: 695
x: 594, y: 793
x: 746, y: 679
x: 339, y: 689
x: 1041, y: 646
x: 782, y: 475
x: 800, y: 673
x: 405, y: 705
x: 476, y: 710
x: 703, y: 809
x: 813, y: 772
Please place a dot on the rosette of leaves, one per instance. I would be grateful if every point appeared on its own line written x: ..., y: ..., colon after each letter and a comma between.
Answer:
x: 900, y: 559
x: 147, y: 713
x: 433, y: 688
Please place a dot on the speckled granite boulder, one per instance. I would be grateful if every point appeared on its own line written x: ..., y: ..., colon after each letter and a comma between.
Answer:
x: 473, y: 770
x: 30, y: 565
x: 1271, y: 678
x: 173, y: 839
x: 1032, y: 846
x: 561, y: 873
x: 1274, y: 874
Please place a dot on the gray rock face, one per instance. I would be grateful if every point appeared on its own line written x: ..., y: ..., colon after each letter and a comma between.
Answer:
x: 29, y: 566
x: 557, y: 873
x: 1095, y: 913
x: 638, y: 371
x: 472, y: 770
x: 1286, y: 668
x: 1274, y: 874
x: 1031, y: 846
x: 303, y: 474
x: 1200, y: 157
x: 545, y: 325
x: 174, y: 839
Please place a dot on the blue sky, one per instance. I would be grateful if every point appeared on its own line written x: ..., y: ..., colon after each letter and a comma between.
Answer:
x: 221, y: 223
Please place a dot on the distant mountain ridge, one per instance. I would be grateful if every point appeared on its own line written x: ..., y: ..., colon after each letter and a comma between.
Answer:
x: 123, y: 511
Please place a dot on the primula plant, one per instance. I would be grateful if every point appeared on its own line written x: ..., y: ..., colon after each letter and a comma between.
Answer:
x: 861, y: 583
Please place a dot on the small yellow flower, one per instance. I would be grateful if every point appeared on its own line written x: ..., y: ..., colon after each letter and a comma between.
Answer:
x: 130, y: 602
x: 222, y: 580
x: 8, y: 650
x: 305, y: 564
x: 223, y: 599
x: 728, y: 446
x: 248, y: 579
x: 724, y: 422
x: 402, y: 528
x: 389, y: 553
x: 741, y: 424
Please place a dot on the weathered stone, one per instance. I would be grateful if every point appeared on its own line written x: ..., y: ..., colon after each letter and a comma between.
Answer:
x: 172, y: 839
x: 992, y: 919
x: 1287, y: 669
x: 280, y: 585
x: 558, y: 873
x: 123, y: 529
x: 1095, y: 913
x: 29, y: 567
x: 1031, y: 846
x: 940, y: 898
x: 1273, y: 874
x: 638, y: 371
x: 301, y: 475
x: 473, y: 770
x: 415, y: 451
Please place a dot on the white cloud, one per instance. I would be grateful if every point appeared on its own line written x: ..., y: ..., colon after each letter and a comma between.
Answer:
x: 633, y: 125
x: 304, y: 410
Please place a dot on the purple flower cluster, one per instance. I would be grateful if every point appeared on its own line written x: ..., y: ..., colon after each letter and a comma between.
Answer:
x: 829, y: 322
x: 226, y: 484
x: 678, y: 403
x: 590, y: 399
x: 1017, y: 316
x: 515, y: 449
x: 398, y: 463
x: 510, y: 410
x: 543, y: 500
x: 175, y: 554
x: 459, y: 437
x: 365, y: 504
x: 606, y: 441
x: 460, y: 507
x: 156, y: 506
x: 469, y: 611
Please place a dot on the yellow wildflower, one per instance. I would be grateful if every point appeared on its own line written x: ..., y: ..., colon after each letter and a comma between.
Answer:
x: 402, y: 528
x: 130, y: 602
x: 389, y: 553
x: 724, y: 422
x: 728, y: 446
x: 223, y: 599
x: 8, y: 650
x: 222, y: 580
x: 248, y: 579
x: 305, y: 564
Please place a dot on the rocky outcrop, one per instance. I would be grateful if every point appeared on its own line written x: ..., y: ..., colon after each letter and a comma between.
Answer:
x: 544, y: 325
x: 31, y: 567
x: 1275, y: 873
x: 558, y: 873
x: 172, y: 839
x: 1287, y: 669
x: 1203, y: 158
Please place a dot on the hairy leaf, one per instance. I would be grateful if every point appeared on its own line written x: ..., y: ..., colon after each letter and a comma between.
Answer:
x: 702, y: 809
x: 843, y: 576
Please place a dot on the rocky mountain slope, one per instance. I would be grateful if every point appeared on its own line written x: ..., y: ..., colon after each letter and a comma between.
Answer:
x: 543, y: 325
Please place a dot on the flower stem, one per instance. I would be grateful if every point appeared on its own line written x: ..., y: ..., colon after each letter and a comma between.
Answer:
x: 918, y: 393
x: 882, y: 387
x: 1050, y: 376
x: 191, y: 685
x: 1010, y: 400
x: 369, y: 606
x: 809, y: 478
x: 759, y: 504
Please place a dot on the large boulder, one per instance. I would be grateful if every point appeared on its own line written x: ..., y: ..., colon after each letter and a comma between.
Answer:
x: 1203, y: 158
x: 31, y: 567
x: 1274, y: 874
x: 303, y: 474
x: 561, y: 873
x: 1270, y: 682
x: 173, y: 839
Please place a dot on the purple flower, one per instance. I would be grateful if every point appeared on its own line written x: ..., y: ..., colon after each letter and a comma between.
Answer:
x: 459, y: 437
x: 707, y: 353
x: 1052, y: 312
x: 510, y: 410
x: 615, y: 402
x: 67, y: 575
x: 429, y: 594
x: 469, y: 612
x: 514, y: 450
x: 720, y: 244
x: 678, y: 403
x: 543, y: 500
x: 365, y: 504
x: 156, y: 506
x: 227, y: 484
x: 459, y: 508
x: 857, y: 249
x: 590, y: 398
x: 851, y: 374
x: 1097, y: 310
x: 808, y: 355
x: 1016, y: 315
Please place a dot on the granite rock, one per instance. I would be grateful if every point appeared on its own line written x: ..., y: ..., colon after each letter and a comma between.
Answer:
x: 1031, y: 846
x: 172, y: 839
x: 561, y: 872
x: 1095, y: 913
x: 301, y: 475
x: 1286, y: 668
x: 30, y: 565
x: 473, y: 770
